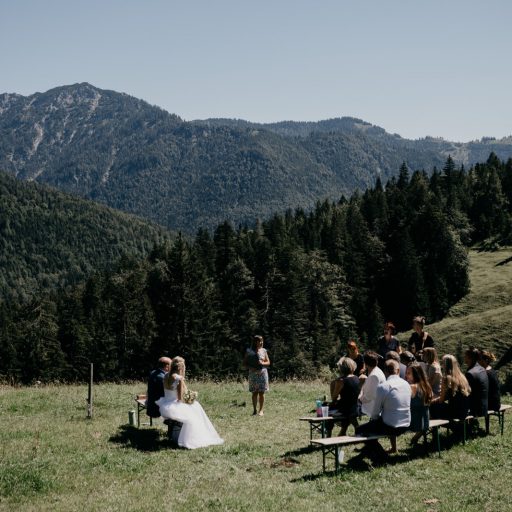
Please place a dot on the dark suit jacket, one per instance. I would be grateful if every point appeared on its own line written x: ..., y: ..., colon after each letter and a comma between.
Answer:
x: 479, y: 383
x: 155, y: 391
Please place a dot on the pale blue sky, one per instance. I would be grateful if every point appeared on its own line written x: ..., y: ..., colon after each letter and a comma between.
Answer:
x: 440, y: 68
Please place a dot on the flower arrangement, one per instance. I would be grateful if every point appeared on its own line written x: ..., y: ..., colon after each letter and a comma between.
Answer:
x: 189, y: 396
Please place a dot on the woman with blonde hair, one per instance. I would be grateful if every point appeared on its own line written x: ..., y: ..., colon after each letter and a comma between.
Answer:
x: 181, y: 405
x: 433, y: 370
x: 453, y: 403
x: 344, y: 394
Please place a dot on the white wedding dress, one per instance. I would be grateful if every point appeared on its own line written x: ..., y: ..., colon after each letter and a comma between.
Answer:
x: 197, y: 430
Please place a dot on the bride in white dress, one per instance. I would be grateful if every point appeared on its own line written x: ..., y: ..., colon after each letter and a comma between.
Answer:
x: 197, y: 430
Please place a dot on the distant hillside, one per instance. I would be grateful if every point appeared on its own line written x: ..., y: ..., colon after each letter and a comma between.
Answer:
x: 49, y: 239
x: 135, y: 157
x: 483, y: 317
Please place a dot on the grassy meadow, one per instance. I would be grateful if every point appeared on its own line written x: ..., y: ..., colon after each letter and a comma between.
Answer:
x: 53, y: 458
x: 484, y: 317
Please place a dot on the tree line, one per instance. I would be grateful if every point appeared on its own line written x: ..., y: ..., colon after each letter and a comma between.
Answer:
x: 306, y: 280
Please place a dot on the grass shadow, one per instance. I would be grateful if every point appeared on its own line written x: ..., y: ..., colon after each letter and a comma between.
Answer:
x: 504, y: 262
x: 142, y: 439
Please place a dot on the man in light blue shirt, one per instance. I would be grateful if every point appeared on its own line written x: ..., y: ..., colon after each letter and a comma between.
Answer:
x: 391, y: 412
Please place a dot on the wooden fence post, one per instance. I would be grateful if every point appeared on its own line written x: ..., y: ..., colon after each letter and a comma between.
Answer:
x: 89, y: 394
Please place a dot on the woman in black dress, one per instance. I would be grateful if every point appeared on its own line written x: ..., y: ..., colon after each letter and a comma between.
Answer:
x: 419, y: 339
x: 344, y: 393
x: 388, y: 342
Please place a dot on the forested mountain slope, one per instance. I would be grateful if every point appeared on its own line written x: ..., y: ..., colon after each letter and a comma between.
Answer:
x: 132, y: 156
x: 49, y: 239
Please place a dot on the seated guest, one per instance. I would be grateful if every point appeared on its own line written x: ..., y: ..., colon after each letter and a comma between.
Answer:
x: 344, y: 393
x: 355, y: 355
x: 388, y: 342
x: 494, y: 397
x: 396, y: 357
x: 407, y: 357
x: 156, y: 387
x: 478, y: 382
x: 421, y: 395
x: 419, y: 339
x: 374, y: 378
x: 453, y: 402
x: 391, y: 414
x: 432, y: 369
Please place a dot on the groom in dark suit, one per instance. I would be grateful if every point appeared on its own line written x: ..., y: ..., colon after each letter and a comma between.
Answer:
x: 156, y: 386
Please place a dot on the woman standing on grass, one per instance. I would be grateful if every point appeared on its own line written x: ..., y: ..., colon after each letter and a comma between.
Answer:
x: 453, y: 403
x: 256, y: 360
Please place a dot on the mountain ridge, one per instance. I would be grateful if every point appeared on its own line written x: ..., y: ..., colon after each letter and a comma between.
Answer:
x: 121, y: 151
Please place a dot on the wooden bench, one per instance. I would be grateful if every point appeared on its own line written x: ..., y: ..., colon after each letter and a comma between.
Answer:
x: 141, y: 406
x: 316, y: 424
x: 465, y: 423
x: 501, y: 417
x: 331, y: 446
x: 433, y: 428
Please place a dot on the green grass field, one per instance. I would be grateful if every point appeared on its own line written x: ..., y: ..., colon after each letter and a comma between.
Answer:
x: 484, y: 317
x: 52, y: 458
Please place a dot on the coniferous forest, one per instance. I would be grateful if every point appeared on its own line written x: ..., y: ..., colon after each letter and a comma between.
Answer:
x: 306, y: 280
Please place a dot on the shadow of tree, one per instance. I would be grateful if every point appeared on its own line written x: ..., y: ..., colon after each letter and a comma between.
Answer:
x: 142, y: 439
x: 503, y: 262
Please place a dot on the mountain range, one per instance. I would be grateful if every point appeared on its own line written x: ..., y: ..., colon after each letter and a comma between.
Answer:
x: 121, y: 151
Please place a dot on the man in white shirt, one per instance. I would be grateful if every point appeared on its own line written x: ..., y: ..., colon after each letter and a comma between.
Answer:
x: 391, y: 412
x: 375, y: 377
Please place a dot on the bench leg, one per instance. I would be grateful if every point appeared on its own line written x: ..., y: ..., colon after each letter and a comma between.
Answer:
x: 323, y: 458
x: 138, y: 416
x: 502, y: 422
x: 438, y: 440
x: 487, y: 421
x: 336, y: 459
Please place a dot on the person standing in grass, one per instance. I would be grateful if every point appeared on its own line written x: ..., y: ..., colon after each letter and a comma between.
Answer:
x: 388, y: 342
x: 420, y: 339
x: 156, y: 387
x: 256, y: 360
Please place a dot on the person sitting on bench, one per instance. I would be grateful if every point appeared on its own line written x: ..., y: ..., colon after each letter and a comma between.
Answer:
x: 453, y: 403
x: 344, y: 393
x: 374, y: 378
x: 478, y: 382
x: 494, y: 397
x: 156, y: 387
x: 391, y: 413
